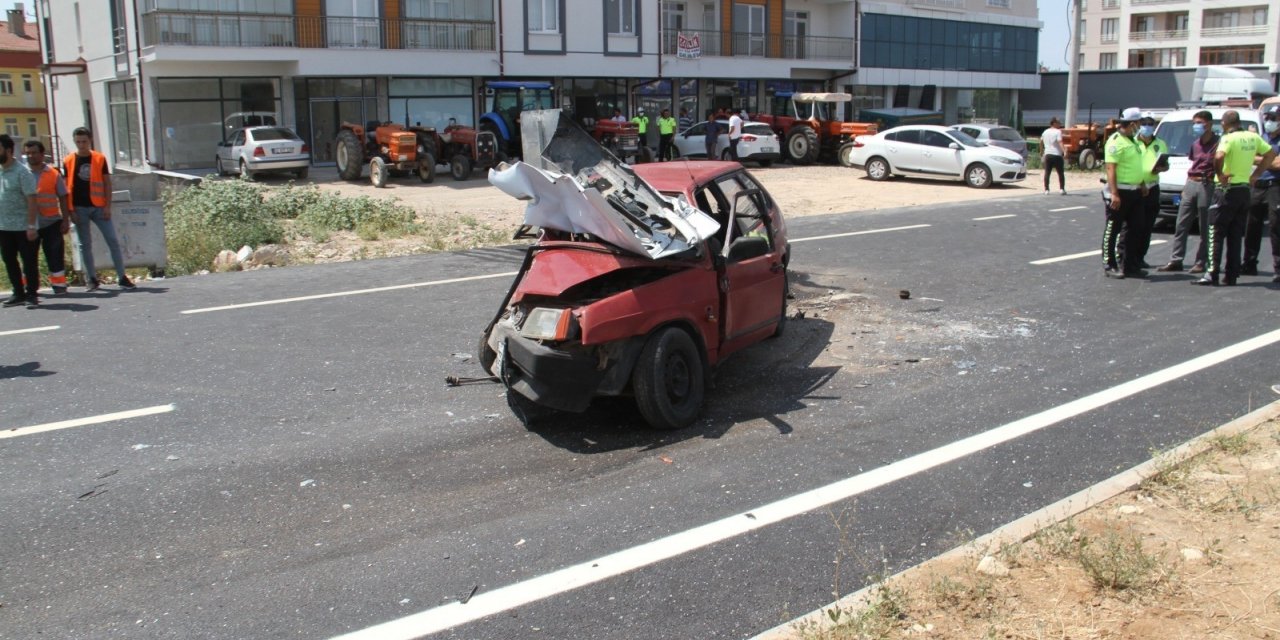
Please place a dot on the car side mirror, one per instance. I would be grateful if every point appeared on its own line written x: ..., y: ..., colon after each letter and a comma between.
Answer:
x: 748, y: 247
x: 955, y: 145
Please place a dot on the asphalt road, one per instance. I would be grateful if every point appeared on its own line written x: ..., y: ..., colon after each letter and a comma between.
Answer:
x: 314, y: 475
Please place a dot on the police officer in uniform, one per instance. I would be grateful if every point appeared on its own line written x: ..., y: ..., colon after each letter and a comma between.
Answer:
x: 1235, y: 165
x: 1264, y: 203
x: 1152, y: 149
x: 1125, y: 175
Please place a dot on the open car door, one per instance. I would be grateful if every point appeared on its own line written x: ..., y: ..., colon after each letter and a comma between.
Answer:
x: 753, y: 278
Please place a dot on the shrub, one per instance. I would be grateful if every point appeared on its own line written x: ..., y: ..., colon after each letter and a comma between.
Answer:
x: 369, y: 218
x: 202, y: 220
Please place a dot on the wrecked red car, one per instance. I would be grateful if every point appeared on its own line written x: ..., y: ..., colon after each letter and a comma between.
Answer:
x: 641, y: 281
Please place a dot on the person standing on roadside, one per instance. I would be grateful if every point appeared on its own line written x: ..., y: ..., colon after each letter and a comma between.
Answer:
x: 686, y: 120
x: 1197, y: 194
x: 1153, y: 151
x: 55, y: 220
x: 1052, y: 157
x: 712, y: 139
x: 617, y: 116
x: 1123, y: 158
x: 1264, y: 203
x: 666, y: 135
x: 18, y: 215
x: 642, y: 126
x: 735, y: 134
x: 89, y: 181
x: 1235, y: 165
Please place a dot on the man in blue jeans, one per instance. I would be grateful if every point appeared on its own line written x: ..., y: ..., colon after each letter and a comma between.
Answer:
x: 89, y: 182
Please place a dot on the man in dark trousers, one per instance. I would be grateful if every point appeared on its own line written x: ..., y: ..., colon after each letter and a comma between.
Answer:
x: 1238, y: 152
x: 1197, y: 194
x: 712, y: 135
x: 1264, y: 203
x: 1125, y: 173
x: 18, y: 215
x: 55, y: 220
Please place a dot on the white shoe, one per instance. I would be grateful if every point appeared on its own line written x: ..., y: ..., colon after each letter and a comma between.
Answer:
x: 1064, y: 192
x: 1046, y: 192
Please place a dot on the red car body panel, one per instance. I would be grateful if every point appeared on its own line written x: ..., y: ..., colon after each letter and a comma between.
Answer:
x: 553, y: 272
x: 688, y: 297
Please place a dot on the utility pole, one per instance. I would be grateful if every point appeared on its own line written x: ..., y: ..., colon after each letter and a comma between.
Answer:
x: 1073, y: 73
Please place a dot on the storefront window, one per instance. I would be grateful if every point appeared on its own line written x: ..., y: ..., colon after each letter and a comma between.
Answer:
x: 592, y: 99
x: 126, y: 135
x: 431, y: 102
x: 197, y: 113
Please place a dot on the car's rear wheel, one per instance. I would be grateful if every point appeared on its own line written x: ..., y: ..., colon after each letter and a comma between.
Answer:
x: 668, y: 380
x: 878, y: 169
x: 765, y: 164
x: 245, y: 171
x: 302, y: 173
x: 978, y: 176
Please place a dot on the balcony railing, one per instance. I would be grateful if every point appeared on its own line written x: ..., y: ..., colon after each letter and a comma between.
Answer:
x: 758, y: 45
x: 946, y: 4
x: 249, y: 30
x: 1178, y: 34
x: 1141, y: 2
x: 1227, y: 32
x: 1108, y: 38
x: 1110, y: 4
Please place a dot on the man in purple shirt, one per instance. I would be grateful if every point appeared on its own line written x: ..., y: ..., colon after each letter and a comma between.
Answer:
x: 1197, y: 193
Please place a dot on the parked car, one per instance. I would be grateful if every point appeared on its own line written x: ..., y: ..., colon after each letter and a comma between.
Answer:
x: 630, y: 289
x: 256, y: 150
x: 1175, y: 130
x: 758, y: 144
x: 934, y: 151
x: 996, y: 135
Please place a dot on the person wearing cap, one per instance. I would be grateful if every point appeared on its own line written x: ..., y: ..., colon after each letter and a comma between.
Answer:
x: 666, y: 135
x: 642, y: 126
x: 1264, y: 203
x: 1197, y: 194
x: 1237, y: 167
x: 1152, y: 150
x: 1125, y: 175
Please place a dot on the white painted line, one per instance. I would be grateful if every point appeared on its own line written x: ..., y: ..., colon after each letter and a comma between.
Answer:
x: 80, y: 422
x: 35, y: 330
x: 1007, y: 215
x: 860, y: 233
x: 1067, y: 209
x: 1083, y: 254
x: 521, y: 593
x: 356, y: 292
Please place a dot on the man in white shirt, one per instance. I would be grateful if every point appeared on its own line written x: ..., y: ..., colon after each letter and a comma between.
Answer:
x: 735, y: 134
x: 1053, y: 158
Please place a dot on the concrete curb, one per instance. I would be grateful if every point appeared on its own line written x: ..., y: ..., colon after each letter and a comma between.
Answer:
x: 1026, y: 526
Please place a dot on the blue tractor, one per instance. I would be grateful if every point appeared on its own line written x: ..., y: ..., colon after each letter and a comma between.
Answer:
x: 504, y: 101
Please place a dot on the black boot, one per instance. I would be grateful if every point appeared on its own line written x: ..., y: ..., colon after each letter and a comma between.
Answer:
x: 1209, y: 280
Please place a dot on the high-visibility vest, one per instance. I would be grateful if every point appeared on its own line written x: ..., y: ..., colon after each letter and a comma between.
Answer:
x: 97, y: 179
x: 47, y: 193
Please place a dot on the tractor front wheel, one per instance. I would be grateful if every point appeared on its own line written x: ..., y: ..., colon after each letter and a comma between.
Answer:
x: 348, y: 155
x: 427, y: 167
x: 803, y: 146
x: 460, y: 167
x: 378, y: 172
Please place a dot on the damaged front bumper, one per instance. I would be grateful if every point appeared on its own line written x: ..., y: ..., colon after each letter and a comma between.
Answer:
x: 561, y: 376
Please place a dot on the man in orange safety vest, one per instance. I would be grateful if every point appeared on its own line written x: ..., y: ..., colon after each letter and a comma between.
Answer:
x: 89, y: 181
x: 54, y: 220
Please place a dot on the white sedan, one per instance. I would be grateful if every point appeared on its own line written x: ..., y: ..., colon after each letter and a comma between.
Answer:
x: 256, y: 150
x: 935, y: 152
x: 758, y: 143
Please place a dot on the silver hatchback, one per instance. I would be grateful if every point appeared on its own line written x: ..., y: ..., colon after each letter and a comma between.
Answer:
x: 256, y: 150
x: 996, y: 135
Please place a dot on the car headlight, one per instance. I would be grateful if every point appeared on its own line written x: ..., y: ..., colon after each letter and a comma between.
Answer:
x: 1004, y: 160
x: 547, y: 324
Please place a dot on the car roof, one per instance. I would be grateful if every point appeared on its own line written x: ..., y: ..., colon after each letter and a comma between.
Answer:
x: 680, y: 175
x: 921, y: 127
x: 980, y: 125
x: 1187, y: 114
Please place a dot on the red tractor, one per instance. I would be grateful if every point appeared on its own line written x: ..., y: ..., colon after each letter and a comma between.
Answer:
x: 465, y: 148
x: 805, y: 124
x: 389, y: 148
x: 622, y: 139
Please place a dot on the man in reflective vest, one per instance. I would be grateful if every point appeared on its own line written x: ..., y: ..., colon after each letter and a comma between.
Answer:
x: 54, y: 220
x: 666, y: 135
x: 1125, y: 175
x: 89, y: 182
x: 1238, y: 165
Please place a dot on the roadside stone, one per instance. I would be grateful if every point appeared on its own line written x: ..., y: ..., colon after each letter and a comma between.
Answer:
x: 1129, y: 510
x: 244, y: 253
x: 270, y: 254
x: 226, y: 261
x: 1190, y: 554
x: 992, y: 567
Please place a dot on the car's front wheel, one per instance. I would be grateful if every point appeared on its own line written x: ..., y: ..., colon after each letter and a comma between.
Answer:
x: 878, y: 169
x: 668, y: 380
x: 978, y: 176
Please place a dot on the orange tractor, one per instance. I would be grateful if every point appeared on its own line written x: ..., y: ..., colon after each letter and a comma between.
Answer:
x: 1083, y: 143
x: 622, y: 139
x: 805, y: 124
x: 389, y: 148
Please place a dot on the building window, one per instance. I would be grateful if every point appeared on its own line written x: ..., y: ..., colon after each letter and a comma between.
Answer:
x: 447, y: 9
x: 673, y: 16
x: 748, y: 29
x: 1003, y: 4
x: 33, y: 131
x: 1084, y: 29
x: 908, y: 42
x: 1232, y: 55
x: 1157, y: 58
x: 126, y: 135
x: 620, y: 17
x: 1110, y: 27
x: 6, y: 84
x: 544, y: 16
x: 195, y: 114
x: 277, y: 7
x: 26, y: 82
x: 11, y: 127
x: 1107, y: 61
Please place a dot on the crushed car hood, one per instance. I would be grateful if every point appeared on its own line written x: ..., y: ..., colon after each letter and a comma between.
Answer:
x: 576, y: 186
x: 554, y: 271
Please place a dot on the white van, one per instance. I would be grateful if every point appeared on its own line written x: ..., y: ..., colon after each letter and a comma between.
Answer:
x: 1175, y: 130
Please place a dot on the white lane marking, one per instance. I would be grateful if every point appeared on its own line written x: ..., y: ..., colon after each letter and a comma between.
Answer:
x: 80, y: 422
x: 35, y: 330
x: 1083, y: 254
x: 1067, y: 209
x: 521, y: 593
x: 860, y: 233
x: 1007, y: 215
x: 337, y: 294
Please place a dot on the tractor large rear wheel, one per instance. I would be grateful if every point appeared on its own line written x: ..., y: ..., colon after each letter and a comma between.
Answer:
x: 803, y: 146
x: 846, y: 154
x: 348, y: 155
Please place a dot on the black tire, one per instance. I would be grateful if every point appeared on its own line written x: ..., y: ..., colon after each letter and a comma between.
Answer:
x: 378, y: 172
x: 1088, y: 160
x: 486, y: 355
x: 977, y: 175
x: 245, y: 172
x: 427, y: 168
x: 460, y: 167
x: 845, y: 155
x: 765, y: 164
x: 878, y: 169
x: 803, y: 146
x: 217, y: 163
x: 348, y: 155
x: 645, y: 155
x: 668, y: 380
x: 302, y: 173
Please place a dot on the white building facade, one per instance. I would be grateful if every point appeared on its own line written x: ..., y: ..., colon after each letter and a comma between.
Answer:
x: 1138, y: 34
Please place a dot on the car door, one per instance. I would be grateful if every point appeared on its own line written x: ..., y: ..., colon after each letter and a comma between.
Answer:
x: 236, y: 149
x: 752, y: 285
x: 936, y: 155
x: 903, y: 150
x: 690, y: 142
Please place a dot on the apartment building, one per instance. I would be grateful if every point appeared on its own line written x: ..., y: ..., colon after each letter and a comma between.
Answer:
x: 1142, y: 34
x: 22, y: 106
